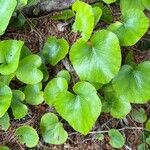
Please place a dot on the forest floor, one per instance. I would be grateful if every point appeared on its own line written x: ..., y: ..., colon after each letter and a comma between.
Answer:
x: 35, y: 33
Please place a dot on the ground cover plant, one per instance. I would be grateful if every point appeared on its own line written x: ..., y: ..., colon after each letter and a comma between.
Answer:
x: 100, y: 75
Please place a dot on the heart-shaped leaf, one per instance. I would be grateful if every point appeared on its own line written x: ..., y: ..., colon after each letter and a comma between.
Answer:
x: 133, y: 83
x: 53, y: 88
x: 55, y: 49
x: 85, y: 105
x: 5, y: 98
x: 52, y: 130
x: 130, y: 4
x: 84, y: 22
x: 33, y: 94
x: 146, y: 4
x: 5, y: 122
x: 116, y: 138
x: 28, y: 71
x: 109, y: 1
x: 133, y: 26
x: 9, y: 56
x: 19, y: 109
x: 27, y: 135
x: 7, y: 7
x: 94, y: 61
x: 117, y: 107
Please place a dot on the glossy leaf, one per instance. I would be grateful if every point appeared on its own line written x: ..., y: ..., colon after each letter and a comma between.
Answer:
x: 5, y: 98
x: 6, y: 79
x: 133, y: 83
x: 84, y: 22
x: 94, y: 61
x: 116, y: 138
x: 139, y: 115
x: 27, y: 135
x: 28, y: 71
x: 5, y: 122
x: 133, y: 26
x: 64, y: 74
x: 84, y: 104
x: 9, y: 56
x: 52, y: 130
x: 33, y: 94
x: 19, y: 109
x: 55, y: 50
x: 53, y: 88
x: 7, y: 8
x: 131, y: 4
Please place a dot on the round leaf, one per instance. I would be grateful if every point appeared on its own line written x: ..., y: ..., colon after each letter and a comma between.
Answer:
x: 28, y: 71
x: 53, y: 88
x: 80, y: 110
x: 5, y: 98
x: 7, y: 7
x: 19, y: 109
x: 133, y: 83
x: 133, y: 26
x: 55, y: 49
x: 116, y: 138
x: 5, y: 122
x: 27, y: 135
x: 33, y: 93
x: 64, y: 74
x: 52, y: 130
x: 9, y: 56
x: 109, y: 1
x: 139, y: 115
x: 84, y: 22
x: 98, y: 60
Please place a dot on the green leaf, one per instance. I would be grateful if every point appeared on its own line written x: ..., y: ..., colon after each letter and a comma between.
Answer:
x: 129, y: 58
x: 27, y: 135
x: 117, y: 107
x: 5, y: 122
x: 94, y: 61
x: 6, y: 79
x: 63, y: 15
x: 4, y: 148
x: 148, y: 140
x: 25, y: 52
x: 53, y: 88
x: 9, y: 56
x: 109, y: 1
x: 100, y: 137
x: 148, y: 125
x: 146, y: 4
x: 64, y: 74
x: 33, y: 94
x: 21, y: 3
x: 28, y: 71
x: 116, y: 138
x: 52, y: 130
x: 97, y: 14
x: 7, y: 7
x: 19, y: 109
x: 133, y: 26
x: 133, y: 83
x: 5, y: 98
x: 84, y: 22
x: 139, y: 115
x: 131, y: 4
x: 55, y: 49
x: 82, y: 109
x: 143, y: 146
